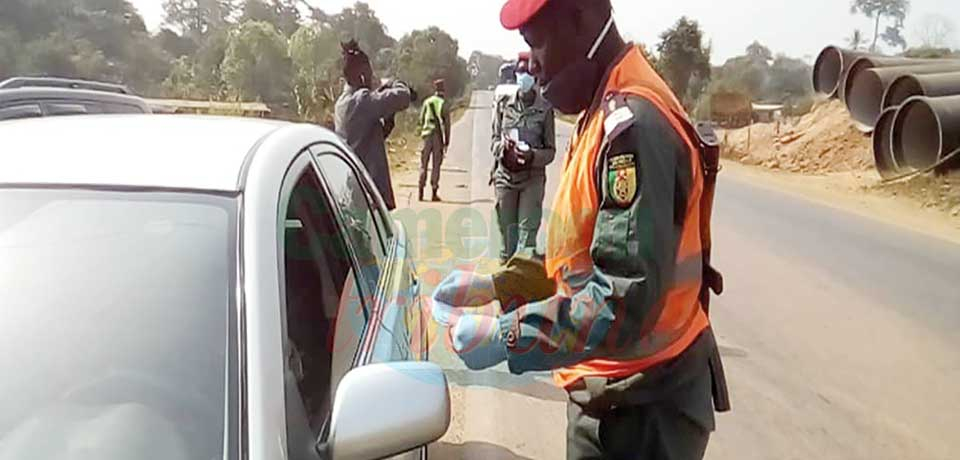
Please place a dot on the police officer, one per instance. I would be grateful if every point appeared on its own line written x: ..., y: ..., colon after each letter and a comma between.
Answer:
x: 435, y: 131
x: 523, y: 145
x: 363, y: 115
x: 625, y: 323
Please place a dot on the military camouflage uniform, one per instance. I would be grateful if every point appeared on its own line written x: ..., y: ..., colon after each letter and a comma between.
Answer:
x: 520, y: 193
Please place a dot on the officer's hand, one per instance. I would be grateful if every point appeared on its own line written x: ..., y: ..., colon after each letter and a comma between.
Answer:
x: 509, y: 146
x: 524, y: 155
x: 476, y: 340
x: 465, y: 289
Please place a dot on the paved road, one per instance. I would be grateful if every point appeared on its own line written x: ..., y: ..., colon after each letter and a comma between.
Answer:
x: 839, y: 332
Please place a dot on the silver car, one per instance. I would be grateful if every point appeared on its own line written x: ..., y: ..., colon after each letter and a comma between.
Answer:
x: 204, y: 288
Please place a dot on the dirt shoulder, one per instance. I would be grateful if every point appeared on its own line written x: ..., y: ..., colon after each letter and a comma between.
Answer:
x: 822, y: 156
x: 860, y: 193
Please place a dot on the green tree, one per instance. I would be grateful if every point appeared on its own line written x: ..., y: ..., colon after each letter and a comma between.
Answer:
x: 924, y: 52
x: 426, y: 55
x: 208, y: 65
x: 35, y: 19
x: 196, y: 18
x: 51, y: 56
x: 856, y: 40
x: 175, y: 44
x: 743, y: 74
x: 282, y: 14
x: 260, y: 10
x: 893, y: 36
x: 361, y: 23
x: 182, y: 81
x: 257, y: 64
x: 895, y: 10
x: 11, y: 50
x: 290, y: 18
x: 487, y: 68
x: 684, y: 59
x: 789, y: 79
x: 315, y: 54
x: 759, y: 53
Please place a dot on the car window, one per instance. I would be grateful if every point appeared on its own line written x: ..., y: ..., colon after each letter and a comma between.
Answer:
x: 110, y: 107
x: 325, y: 317
x: 20, y: 111
x: 114, y: 328
x: 64, y: 108
x: 360, y: 218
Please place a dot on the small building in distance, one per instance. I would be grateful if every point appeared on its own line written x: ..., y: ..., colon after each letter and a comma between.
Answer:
x: 767, y: 113
x: 182, y: 106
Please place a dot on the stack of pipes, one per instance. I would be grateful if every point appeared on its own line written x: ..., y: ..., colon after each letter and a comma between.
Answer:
x: 911, y: 106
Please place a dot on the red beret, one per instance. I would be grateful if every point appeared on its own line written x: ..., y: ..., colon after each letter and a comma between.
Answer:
x: 516, y: 13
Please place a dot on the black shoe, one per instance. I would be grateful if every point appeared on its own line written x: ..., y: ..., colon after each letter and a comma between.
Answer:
x: 420, y: 196
x: 436, y: 196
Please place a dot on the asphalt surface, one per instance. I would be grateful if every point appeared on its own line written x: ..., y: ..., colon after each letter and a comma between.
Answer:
x: 839, y: 332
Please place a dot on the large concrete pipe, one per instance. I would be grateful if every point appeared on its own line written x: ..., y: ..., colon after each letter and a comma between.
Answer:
x: 830, y: 69
x: 883, y: 157
x: 930, y: 85
x: 867, y: 89
x: 865, y: 63
x: 925, y: 131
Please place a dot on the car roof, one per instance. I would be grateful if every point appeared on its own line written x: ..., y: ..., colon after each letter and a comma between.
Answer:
x: 55, y: 82
x: 39, y: 94
x: 139, y: 151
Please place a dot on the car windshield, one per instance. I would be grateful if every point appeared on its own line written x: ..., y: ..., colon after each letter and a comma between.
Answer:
x: 115, y: 324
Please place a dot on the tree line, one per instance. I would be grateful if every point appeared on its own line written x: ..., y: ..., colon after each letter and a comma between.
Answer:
x: 285, y: 53
x: 682, y: 57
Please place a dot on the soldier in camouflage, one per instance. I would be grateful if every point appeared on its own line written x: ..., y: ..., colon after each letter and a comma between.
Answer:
x: 523, y: 145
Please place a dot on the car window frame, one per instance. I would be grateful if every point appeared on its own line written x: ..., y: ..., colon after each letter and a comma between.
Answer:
x: 381, y: 299
x: 286, y: 189
x: 304, y: 161
x: 387, y: 247
x: 384, y: 224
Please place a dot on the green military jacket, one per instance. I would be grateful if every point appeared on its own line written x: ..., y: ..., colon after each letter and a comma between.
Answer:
x: 634, y: 251
x: 531, y: 123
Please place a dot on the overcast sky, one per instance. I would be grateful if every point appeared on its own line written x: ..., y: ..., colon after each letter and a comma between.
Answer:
x: 797, y: 28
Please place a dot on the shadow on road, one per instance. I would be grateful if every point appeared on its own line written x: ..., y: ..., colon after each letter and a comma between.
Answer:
x: 523, y: 385
x: 472, y: 451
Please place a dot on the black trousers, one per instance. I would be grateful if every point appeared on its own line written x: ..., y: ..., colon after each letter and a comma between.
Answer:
x: 644, y: 425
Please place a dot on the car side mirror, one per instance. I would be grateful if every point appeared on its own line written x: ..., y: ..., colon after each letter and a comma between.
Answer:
x: 383, y: 410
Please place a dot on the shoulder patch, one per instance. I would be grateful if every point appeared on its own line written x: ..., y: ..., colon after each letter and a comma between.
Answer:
x: 618, y: 117
x: 622, y: 178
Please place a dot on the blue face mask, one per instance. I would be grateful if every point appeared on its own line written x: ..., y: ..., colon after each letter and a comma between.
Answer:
x: 526, y: 82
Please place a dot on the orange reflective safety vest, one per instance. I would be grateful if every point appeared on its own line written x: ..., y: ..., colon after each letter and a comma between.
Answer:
x: 570, y: 229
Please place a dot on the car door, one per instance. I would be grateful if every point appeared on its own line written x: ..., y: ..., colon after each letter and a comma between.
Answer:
x: 395, y: 291
x: 324, y: 317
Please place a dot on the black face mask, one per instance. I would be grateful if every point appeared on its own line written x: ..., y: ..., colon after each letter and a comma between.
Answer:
x: 571, y: 90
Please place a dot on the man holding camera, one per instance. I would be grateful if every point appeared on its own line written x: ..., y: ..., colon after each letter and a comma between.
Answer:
x: 524, y: 143
x: 364, y: 115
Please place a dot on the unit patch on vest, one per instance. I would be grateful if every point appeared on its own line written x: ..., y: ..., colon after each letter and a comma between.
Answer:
x: 622, y: 179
